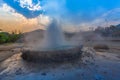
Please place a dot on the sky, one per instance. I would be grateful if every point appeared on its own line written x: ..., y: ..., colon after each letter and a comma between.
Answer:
x: 80, y: 13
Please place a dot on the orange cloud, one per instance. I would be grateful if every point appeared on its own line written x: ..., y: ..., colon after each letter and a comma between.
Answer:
x: 10, y: 21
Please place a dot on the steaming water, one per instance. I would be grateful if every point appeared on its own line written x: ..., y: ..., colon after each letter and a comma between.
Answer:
x: 54, y: 38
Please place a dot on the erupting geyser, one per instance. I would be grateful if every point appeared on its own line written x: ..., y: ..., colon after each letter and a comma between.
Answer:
x: 54, y: 36
x: 55, y: 48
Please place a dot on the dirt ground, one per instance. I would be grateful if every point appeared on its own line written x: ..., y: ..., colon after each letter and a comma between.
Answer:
x: 93, y: 65
x: 8, y: 50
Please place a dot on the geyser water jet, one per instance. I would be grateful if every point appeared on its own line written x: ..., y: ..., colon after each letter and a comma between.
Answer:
x: 54, y: 35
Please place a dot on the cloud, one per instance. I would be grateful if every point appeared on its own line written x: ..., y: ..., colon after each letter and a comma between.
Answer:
x: 6, y: 8
x: 25, y: 7
x: 111, y: 17
x: 43, y: 20
x: 83, y: 18
x: 8, y: 11
x: 10, y: 20
x: 29, y: 4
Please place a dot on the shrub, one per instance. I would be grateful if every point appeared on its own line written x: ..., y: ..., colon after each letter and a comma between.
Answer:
x: 14, y: 37
x: 4, y: 37
x: 8, y: 38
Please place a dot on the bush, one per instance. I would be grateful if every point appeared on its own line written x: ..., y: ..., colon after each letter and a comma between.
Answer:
x: 14, y: 37
x: 4, y: 37
x: 8, y: 38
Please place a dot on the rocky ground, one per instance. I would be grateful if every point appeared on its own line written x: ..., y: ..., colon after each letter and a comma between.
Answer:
x: 93, y: 65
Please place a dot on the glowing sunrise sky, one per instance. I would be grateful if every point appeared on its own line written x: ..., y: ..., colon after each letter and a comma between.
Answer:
x: 27, y: 15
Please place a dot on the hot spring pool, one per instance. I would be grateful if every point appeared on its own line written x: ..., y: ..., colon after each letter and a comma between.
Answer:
x: 57, y: 54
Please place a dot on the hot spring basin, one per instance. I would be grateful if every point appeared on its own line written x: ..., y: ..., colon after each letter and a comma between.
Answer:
x: 52, y: 55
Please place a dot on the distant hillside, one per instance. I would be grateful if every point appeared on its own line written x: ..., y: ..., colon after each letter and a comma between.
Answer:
x: 112, y: 31
x: 38, y: 32
x: 32, y: 36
